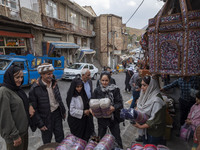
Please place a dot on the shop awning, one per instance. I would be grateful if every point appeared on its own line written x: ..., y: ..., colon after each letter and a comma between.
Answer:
x: 49, y: 46
x: 84, y: 52
x: 16, y: 34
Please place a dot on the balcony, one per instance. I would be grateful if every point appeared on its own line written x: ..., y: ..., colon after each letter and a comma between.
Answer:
x: 65, y: 27
x: 82, y: 31
x: 55, y: 24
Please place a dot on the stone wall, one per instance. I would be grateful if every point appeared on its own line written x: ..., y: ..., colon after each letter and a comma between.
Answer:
x: 37, y: 42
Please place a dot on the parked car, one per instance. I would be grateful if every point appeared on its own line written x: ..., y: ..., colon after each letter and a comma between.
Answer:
x: 75, y: 71
x: 29, y: 64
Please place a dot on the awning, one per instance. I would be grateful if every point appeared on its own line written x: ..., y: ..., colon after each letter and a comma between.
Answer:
x: 84, y: 52
x: 49, y: 46
x: 16, y: 34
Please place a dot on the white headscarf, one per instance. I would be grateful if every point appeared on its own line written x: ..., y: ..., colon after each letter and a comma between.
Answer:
x: 147, y: 100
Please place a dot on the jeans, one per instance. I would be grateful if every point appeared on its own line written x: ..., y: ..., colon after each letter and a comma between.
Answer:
x: 154, y: 140
x: 136, y: 95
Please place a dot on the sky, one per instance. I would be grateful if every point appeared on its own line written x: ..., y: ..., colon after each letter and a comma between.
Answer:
x: 125, y: 8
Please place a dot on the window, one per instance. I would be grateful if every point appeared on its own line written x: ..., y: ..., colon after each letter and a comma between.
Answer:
x: 51, y: 9
x: 84, y: 22
x: 86, y: 66
x: 73, y: 18
x: 10, y: 3
x: 11, y: 42
x: 4, y: 64
x: 20, y: 64
x: 57, y: 63
x: 91, y: 67
x: 48, y: 61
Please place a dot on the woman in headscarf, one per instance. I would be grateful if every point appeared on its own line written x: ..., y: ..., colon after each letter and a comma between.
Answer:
x: 78, y: 110
x: 111, y: 91
x: 152, y: 104
x: 14, y: 110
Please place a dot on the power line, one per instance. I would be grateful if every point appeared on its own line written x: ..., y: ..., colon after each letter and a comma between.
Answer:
x: 135, y: 12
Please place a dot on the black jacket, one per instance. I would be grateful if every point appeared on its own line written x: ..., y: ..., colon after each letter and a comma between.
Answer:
x: 39, y: 98
x: 117, y: 100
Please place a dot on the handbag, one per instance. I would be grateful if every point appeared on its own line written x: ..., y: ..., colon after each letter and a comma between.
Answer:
x: 173, y: 41
x: 185, y: 132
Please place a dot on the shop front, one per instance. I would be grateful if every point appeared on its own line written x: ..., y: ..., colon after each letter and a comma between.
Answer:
x: 60, y: 48
x: 13, y: 42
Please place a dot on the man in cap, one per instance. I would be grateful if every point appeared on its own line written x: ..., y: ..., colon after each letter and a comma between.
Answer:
x: 45, y: 97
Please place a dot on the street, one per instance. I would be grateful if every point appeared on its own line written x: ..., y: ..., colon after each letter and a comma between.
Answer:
x: 128, y: 132
x: 35, y: 140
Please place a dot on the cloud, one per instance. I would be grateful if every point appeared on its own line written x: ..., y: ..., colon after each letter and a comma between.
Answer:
x: 131, y: 3
x: 125, y: 8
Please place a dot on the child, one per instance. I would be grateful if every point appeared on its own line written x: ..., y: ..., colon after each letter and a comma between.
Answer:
x: 194, y: 118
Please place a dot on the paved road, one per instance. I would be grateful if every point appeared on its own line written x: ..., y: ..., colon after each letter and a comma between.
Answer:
x: 35, y: 138
x: 128, y: 132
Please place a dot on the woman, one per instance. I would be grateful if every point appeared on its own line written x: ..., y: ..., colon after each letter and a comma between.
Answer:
x: 78, y: 110
x: 14, y: 110
x: 151, y: 103
x: 113, y: 93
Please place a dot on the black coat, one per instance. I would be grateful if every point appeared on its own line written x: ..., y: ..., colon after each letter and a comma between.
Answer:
x: 39, y: 98
x: 117, y: 101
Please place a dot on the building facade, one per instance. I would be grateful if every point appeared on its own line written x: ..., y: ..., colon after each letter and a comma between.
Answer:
x: 46, y: 27
x: 111, y: 39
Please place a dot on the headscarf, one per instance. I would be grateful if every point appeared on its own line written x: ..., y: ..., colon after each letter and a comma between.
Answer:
x: 9, y: 82
x: 72, y: 92
x: 147, y: 99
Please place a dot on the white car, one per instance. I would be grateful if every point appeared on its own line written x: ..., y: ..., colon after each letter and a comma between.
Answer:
x: 75, y: 71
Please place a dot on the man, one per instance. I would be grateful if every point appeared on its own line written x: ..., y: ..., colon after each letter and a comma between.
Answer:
x: 45, y: 97
x: 112, y: 80
x: 185, y: 84
x: 134, y: 81
x: 85, y: 77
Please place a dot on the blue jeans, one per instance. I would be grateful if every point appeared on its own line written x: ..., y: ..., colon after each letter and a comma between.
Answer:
x: 136, y: 95
x: 154, y: 140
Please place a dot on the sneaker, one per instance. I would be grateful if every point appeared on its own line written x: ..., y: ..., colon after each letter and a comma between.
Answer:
x: 139, y: 139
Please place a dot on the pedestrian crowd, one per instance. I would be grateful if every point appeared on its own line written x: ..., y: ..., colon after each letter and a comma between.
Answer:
x: 44, y: 108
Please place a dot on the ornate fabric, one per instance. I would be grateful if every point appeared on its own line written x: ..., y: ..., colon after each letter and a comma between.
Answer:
x: 173, y: 42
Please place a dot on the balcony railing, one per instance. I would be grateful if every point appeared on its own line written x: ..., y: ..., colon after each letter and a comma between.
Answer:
x: 64, y: 26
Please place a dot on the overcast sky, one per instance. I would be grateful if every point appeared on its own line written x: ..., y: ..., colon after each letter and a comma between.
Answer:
x: 125, y: 8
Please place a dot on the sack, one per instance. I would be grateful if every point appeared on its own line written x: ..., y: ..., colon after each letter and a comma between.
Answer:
x: 137, y: 147
x: 185, y: 132
x: 105, y: 107
x: 91, y: 145
x: 72, y: 142
x: 95, y: 106
x: 162, y: 147
x: 150, y: 147
x: 173, y: 41
x: 106, y: 143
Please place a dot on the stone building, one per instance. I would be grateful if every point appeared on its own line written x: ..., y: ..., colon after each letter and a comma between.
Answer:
x: 111, y: 39
x: 51, y: 27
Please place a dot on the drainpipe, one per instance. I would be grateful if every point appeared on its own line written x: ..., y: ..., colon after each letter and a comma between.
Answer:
x: 108, y: 50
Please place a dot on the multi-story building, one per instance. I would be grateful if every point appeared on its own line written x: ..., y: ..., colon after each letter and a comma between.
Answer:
x: 111, y: 39
x: 51, y: 27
